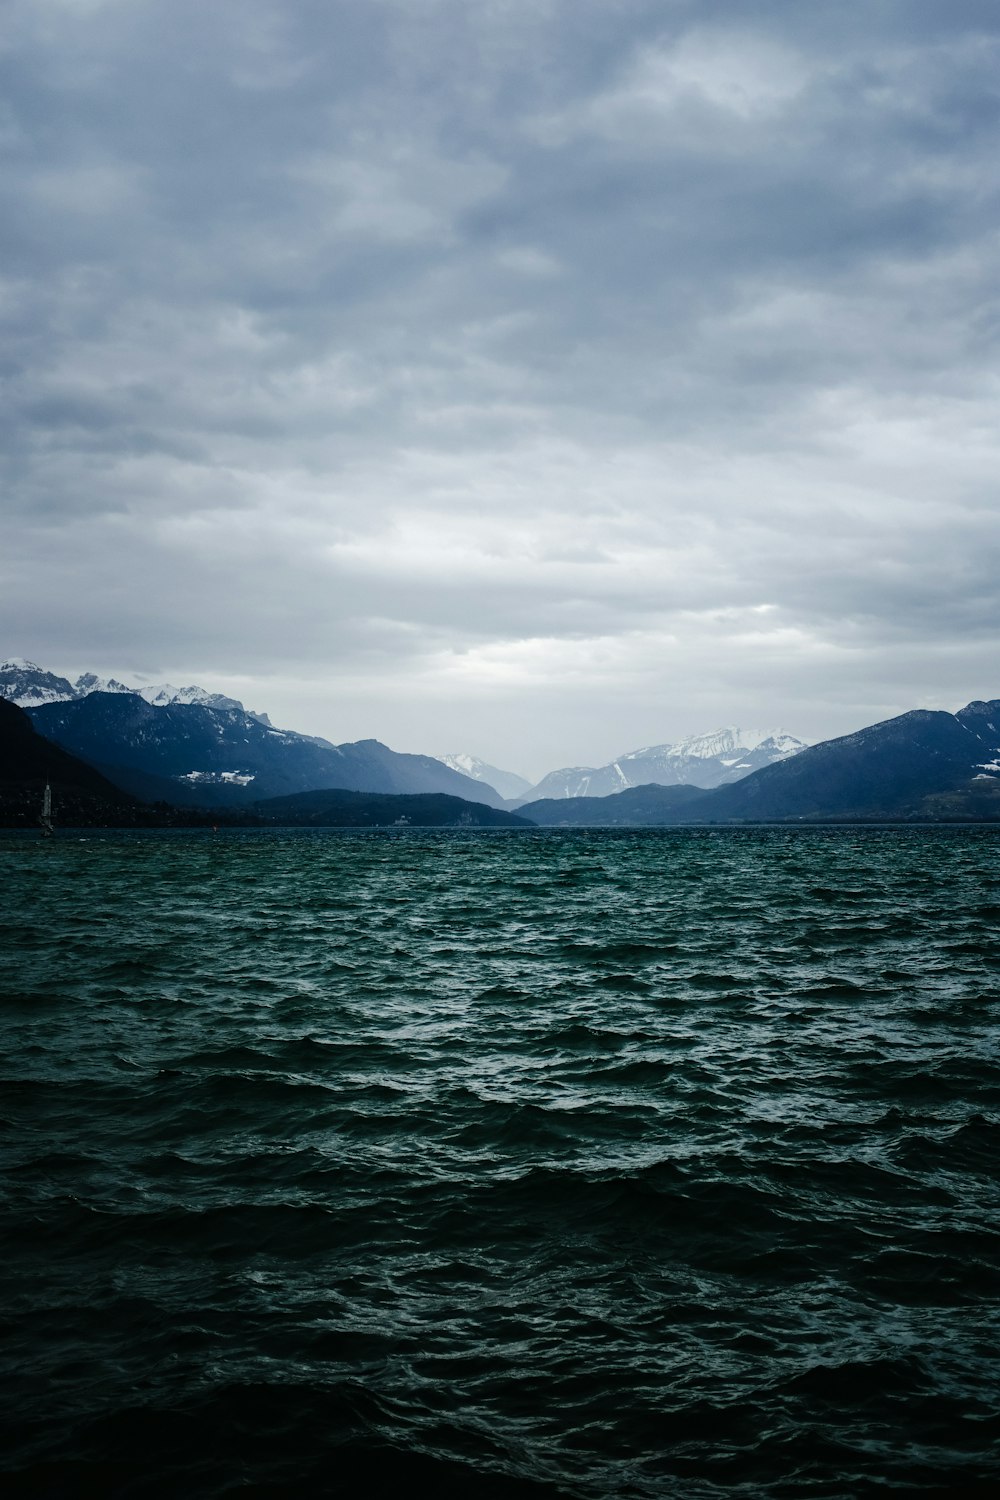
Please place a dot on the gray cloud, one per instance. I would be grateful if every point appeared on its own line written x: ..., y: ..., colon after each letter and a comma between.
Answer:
x: 541, y: 379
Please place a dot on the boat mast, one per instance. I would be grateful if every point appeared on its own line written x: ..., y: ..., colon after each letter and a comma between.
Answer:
x: 46, y: 815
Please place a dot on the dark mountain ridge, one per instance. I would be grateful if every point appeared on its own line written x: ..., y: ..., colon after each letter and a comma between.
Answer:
x: 922, y: 765
x: 636, y: 807
x: 926, y: 764
x: 28, y: 761
x: 82, y: 797
x: 195, y: 755
x: 345, y: 809
x: 885, y: 770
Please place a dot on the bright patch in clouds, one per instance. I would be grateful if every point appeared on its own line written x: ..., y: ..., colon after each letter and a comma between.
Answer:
x: 739, y: 74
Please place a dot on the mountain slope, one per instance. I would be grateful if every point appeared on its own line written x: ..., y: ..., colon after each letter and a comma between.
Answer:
x: 228, y: 757
x: 923, y: 764
x: 704, y: 760
x: 636, y: 807
x: 28, y: 761
x: 507, y: 783
x: 886, y: 770
x: 367, y: 765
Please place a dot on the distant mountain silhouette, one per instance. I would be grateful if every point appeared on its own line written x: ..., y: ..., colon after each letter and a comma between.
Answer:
x: 636, y: 807
x: 83, y: 797
x: 702, y: 760
x: 196, y: 755
x: 923, y: 764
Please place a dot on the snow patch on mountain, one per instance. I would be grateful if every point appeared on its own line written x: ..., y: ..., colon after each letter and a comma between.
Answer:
x: 165, y: 693
x: 507, y: 783
x: 217, y: 778
x: 702, y: 760
x: 28, y: 685
x: 732, y: 740
x: 88, y: 682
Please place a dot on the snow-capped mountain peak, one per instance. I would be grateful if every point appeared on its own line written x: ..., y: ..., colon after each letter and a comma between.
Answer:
x: 727, y: 741
x: 507, y: 783
x: 469, y: 765
x: 88, y: 682
x: 159, y: 694
x: 27, y: 684
x: 702, y: 760
x: 164, y: 693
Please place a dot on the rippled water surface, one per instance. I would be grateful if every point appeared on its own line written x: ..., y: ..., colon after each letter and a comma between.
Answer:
x: 559, y: 1164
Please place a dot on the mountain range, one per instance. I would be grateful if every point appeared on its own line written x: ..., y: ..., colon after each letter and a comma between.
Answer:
x: 82, y: 797
x: 29, y: 686
x: 187, y: 748
x: 926, y: 764
x: 704, y: 760
x: 195, y: 755
x: 190, y: 747
x: 188, y: 758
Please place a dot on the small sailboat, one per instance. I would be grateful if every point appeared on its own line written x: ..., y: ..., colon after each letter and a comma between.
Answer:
x: 45, y: 816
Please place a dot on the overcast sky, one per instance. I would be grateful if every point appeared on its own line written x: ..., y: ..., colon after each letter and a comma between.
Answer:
x: 539, y: 378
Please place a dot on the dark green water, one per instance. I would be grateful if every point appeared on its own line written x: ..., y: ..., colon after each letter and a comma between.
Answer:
x: 591, y: 1164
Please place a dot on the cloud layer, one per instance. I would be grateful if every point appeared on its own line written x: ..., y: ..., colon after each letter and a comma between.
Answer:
x: 541, y: 379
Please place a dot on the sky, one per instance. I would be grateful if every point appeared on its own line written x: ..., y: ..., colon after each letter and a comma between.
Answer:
x: 533, y: 378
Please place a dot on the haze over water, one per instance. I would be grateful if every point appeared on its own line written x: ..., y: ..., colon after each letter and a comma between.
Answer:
x: 558, y: 1163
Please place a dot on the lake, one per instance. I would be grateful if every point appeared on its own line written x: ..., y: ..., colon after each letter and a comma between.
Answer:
x: 555, y: 1163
